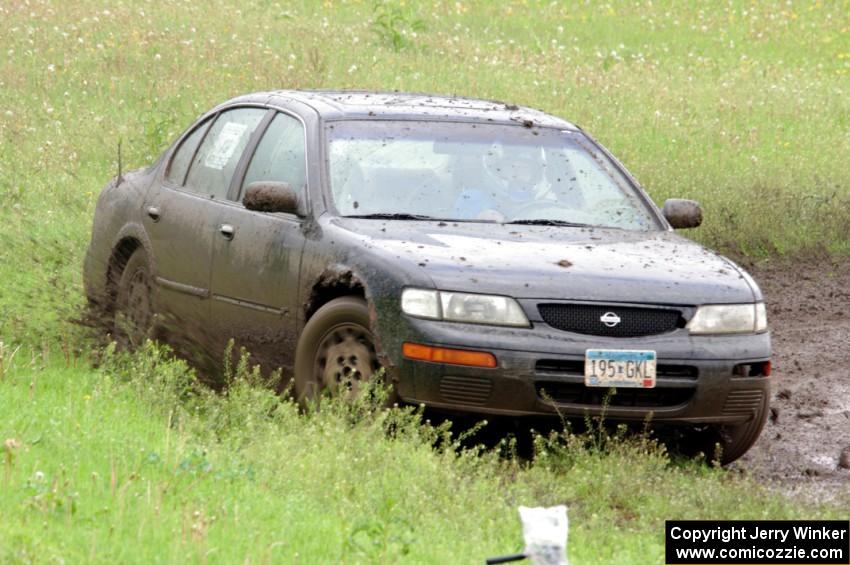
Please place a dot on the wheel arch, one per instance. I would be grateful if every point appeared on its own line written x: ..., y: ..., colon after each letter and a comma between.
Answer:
x: 339, y: 281
x: 128, y: 241
x: 332, y: 283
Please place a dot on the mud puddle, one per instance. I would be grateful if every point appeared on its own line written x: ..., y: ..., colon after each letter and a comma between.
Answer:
x: 801, y: 446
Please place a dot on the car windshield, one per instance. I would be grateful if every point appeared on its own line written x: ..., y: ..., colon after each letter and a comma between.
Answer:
x: 478, y: 172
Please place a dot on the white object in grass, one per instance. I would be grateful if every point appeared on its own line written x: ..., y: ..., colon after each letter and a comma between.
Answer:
x: 545, y: 533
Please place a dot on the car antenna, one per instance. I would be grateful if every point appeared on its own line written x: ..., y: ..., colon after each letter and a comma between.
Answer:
x: 120, y: 178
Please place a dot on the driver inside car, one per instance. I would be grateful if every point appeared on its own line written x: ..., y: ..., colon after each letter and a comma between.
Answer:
x: 511, y: 178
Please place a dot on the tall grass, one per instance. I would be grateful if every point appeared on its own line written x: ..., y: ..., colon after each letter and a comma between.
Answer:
x: 743, y: 106
x: 137, y: 462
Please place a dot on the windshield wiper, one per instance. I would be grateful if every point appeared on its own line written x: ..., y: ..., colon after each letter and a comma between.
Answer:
x: 392, y: 216
x: 541, y: 222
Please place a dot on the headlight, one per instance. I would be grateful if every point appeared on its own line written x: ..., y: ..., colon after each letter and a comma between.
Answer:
x: 462, y: 307
x: 729, y: 318
x: 761, y: 317
x: 482, y: 309
x: 421, y: 303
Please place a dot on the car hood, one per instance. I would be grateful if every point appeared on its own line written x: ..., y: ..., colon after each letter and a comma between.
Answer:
x: 548, y: 262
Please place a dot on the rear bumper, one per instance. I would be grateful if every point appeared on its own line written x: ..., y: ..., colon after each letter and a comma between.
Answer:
x: 539, y: 373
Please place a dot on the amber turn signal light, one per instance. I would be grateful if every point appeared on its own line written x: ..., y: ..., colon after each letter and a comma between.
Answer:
x: 449, y: 356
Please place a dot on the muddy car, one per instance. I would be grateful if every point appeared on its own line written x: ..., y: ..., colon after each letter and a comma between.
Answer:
x: 490, y: 258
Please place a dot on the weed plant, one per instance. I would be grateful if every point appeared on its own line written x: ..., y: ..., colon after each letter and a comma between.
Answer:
x: 139, y: 462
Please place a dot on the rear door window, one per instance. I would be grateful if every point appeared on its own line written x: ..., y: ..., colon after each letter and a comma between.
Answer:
x: 213, y: 166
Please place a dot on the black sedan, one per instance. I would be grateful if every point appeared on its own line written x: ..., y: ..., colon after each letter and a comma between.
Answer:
x: 489, y: 258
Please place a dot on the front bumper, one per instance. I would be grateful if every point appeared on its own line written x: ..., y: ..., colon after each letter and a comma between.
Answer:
x: 540, y: 373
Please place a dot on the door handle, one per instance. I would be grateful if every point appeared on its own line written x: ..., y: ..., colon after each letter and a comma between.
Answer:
x: 227, y: 231
x: 153, y: 212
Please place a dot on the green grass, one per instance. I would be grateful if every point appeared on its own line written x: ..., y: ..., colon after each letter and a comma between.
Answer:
x: 744, y: 107
x: 135, y: 462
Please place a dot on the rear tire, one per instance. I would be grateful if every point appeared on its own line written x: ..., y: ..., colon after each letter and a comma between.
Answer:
x: 336, y: 351
x: 134, y: 309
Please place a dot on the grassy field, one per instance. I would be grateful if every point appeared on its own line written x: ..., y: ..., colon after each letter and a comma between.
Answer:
x: 135, y: 463
x: 744, y: 107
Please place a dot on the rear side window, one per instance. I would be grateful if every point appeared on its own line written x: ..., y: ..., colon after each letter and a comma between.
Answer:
x: 280, y: 156
x: 216, y: 159
x: 183, y: 155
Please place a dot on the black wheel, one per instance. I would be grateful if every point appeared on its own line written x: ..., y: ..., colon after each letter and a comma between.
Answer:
x: 731, y: 441
x: 336, y: 350
x: 736, y: 440
x: 134, y: 302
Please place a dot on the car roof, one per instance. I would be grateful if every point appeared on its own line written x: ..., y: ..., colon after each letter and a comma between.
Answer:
x: 364, y: 104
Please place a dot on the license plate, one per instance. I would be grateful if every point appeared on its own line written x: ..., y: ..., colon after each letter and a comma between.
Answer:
x: 619, y: 368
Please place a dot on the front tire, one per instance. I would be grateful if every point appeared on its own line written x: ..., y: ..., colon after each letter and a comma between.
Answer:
x: 336, y: 351
x: 722, y: 443
x: 736, y: 440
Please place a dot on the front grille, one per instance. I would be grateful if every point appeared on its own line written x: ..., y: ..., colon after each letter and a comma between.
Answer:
x: 576, y: 367
x: 623, y: 321
x: 577, y: 393
x: 742, y: 402
x: 466, y: 390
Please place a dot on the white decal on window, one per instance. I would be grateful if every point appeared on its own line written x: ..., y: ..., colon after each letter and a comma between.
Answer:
x: 225, y: 144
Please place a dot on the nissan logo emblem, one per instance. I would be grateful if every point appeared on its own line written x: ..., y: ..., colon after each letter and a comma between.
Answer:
x: 610, y: 319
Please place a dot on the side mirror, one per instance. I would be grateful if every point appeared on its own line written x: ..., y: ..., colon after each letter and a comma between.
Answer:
x: 267, y: 196
x: 682, y: 213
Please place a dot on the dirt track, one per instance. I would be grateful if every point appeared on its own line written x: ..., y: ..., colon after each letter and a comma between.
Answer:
x: 809, y: 427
